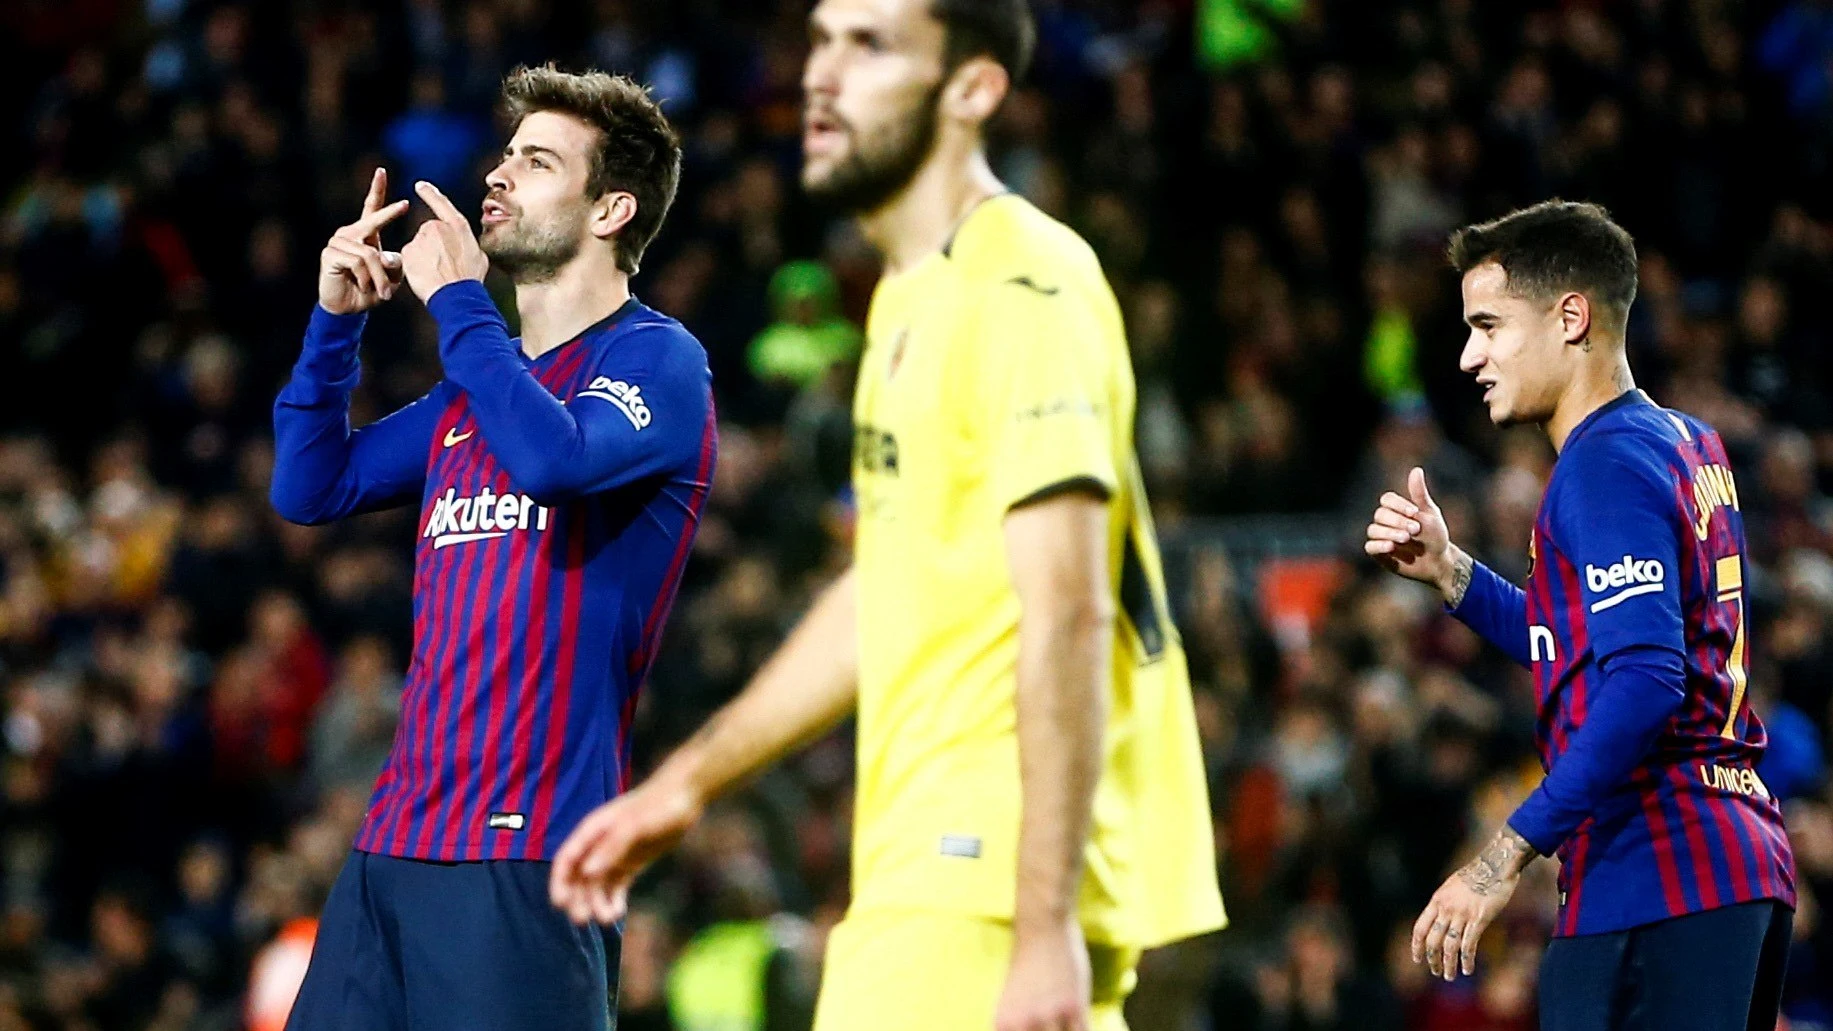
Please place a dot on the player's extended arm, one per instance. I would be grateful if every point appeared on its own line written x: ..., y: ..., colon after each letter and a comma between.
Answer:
x: 799, y: 694
x: 551, y: 450
x: 1641, y: 690
x: 1642, y: 687
x: 1057, y: 552
x: 323, y: 470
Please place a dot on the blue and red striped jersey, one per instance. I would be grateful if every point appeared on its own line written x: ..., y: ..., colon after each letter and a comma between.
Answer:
x: 559, y: 498
x: 1634, y: 624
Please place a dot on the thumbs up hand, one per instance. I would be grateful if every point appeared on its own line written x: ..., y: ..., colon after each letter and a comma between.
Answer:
x: 1408, y: 537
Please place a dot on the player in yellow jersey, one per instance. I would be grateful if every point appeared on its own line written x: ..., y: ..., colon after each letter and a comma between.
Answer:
x: 1031, y: 807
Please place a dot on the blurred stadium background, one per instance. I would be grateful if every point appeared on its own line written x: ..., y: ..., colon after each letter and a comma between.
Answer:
x: 196, y: 695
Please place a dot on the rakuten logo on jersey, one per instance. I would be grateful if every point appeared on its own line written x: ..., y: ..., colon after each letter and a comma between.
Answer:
x: 484, y: 516
x: 1634, y: 575
x: 627, y: 397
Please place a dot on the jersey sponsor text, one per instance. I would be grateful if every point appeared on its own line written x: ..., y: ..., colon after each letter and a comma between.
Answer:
x: 1638, y: 575
x: 625, y: 397
x: 483, y: 516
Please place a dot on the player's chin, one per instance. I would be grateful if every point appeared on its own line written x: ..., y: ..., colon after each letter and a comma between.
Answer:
x: 818, y: 172
x: 494, y: 244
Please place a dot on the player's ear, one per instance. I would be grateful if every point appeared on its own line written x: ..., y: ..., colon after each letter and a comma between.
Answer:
x: 975, y: 90
x: 1575, y: 316
x: 612, y: 212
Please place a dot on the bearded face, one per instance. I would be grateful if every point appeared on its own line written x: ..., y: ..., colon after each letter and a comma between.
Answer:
x: 856, y: 163
x: 536, y: 217
x: 532, y: 246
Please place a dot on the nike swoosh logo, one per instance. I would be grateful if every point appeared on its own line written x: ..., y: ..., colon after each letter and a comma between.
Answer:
x: 1028, y: 283
x: 455, y: 437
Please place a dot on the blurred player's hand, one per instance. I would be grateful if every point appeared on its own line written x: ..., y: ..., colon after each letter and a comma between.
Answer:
x: 593, y: 870
x: 1408, y: 536
x: 1047, y: 986
x: 445, y: 250
x: 354, y: 273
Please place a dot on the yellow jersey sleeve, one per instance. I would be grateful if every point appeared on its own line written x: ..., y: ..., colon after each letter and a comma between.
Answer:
x: 1050, y: 402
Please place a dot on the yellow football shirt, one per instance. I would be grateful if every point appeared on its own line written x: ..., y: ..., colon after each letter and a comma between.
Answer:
x: 995, y: 370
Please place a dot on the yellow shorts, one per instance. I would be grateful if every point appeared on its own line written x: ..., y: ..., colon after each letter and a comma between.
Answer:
x: 917, y: 970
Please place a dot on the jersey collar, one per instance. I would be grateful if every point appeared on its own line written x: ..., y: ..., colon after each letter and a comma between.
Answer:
x: 948, y: 246
x: 1623, y: 400
x: 629, y: 306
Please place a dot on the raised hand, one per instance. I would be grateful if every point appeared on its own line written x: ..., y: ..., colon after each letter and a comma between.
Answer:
x: 1408, y: 536
x: 354, y: 273
x: 445, y: 250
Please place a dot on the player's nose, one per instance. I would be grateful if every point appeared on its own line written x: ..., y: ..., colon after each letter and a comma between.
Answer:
x: 820, y: 74
x: 1474, y: 357
x: 497, y: 178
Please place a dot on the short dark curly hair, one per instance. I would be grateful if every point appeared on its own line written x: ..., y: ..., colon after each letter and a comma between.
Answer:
x: 1553, y: 247
x: 638, y: 151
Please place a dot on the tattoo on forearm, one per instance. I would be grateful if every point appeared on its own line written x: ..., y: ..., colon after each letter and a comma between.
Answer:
x: 1462, y: 565
x: 1504, y: 857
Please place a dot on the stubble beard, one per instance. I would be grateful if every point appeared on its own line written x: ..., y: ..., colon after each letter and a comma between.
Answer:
x: 868, y: 177
x: 531, y: 252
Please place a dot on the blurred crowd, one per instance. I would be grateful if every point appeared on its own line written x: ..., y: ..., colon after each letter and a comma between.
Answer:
x: 195, y: 695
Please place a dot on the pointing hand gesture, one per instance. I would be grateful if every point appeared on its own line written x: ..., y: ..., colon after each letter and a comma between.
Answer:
x: 354, y: 273
x: 445, y: 249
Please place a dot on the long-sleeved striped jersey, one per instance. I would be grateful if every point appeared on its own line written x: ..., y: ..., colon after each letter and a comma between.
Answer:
x: 559, y: 497
x: 1634, y: 624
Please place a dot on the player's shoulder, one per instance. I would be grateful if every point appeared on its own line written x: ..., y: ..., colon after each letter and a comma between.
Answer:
x: 649, y: 328
x: 1633, y: 443
x: 645, y: 336
x: 1007, y: 242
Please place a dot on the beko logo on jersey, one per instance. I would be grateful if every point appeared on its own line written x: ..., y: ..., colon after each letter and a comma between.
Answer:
x: 483, y: 516
x: 1635, y: 575
x: 627, y: 398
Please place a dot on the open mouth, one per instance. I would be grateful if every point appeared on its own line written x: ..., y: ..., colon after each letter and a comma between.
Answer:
x: 495, y: 212
x: 821, y: 132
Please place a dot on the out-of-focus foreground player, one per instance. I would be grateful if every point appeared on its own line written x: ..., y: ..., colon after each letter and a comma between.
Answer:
x: 560, y: 479
x: 1676, y: 884
x: 1032, y: 810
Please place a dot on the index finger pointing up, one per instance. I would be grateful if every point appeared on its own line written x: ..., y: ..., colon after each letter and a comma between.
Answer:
x: 442, y: 207
x: 378, y: 190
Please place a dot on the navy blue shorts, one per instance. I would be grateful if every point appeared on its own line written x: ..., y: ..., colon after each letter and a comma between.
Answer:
x: 1720, y: 970
x: 411, y: 945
